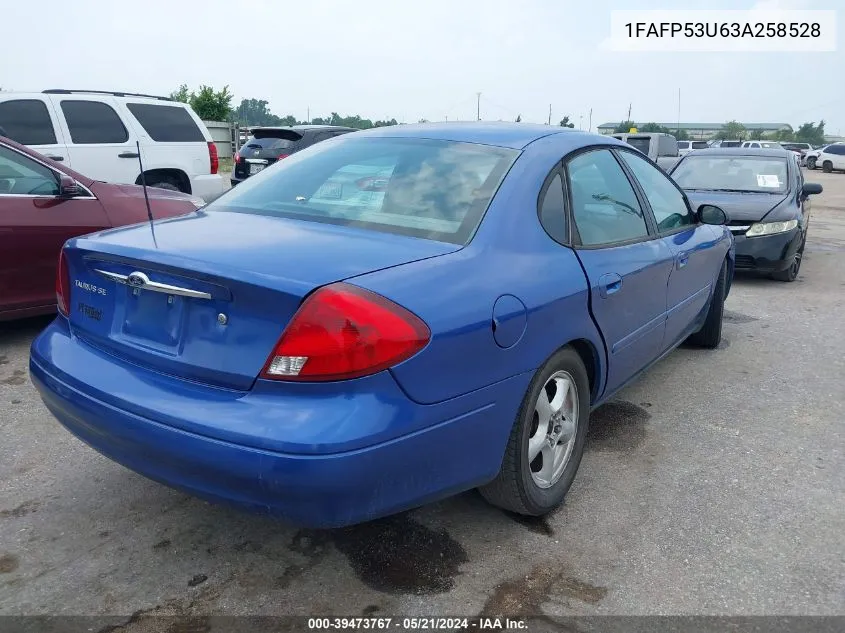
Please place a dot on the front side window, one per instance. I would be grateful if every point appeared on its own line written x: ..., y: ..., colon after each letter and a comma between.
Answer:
x: 92, y: 122
x: 27, y: 122
x: 20, y: 175
x: 762, y: 174
x: 604, y: 205
x: 667, y: 203
x: 432, y: 189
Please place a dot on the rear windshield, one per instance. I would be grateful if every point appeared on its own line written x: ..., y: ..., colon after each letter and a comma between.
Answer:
x: 266, y: 143
x: 166, y: 124
x: 699, y: 144
x: 641, y: 143
x: 730, y: 144
x: 738, y: 173
x: 432, y: 189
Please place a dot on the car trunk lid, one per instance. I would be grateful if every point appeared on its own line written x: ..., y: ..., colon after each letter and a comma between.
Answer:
x: 206, y: 296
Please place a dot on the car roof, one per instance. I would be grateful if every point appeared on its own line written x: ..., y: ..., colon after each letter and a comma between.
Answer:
x: 772, y: 152
x: 499, y: 134
x: 300, y: 128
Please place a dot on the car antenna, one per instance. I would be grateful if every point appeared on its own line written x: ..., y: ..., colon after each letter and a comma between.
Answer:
x: 146, y: 197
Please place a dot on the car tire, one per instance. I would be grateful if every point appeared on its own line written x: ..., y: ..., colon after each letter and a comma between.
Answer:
x: 710, y: 334
x: 165, y: 183
x: 811, y: 162
x: 791, y: 273
x: 516, y: 488
x: 827, y: 167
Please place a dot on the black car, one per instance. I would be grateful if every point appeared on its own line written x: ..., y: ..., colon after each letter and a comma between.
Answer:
x: 266, y: 145
x: 764, y: 195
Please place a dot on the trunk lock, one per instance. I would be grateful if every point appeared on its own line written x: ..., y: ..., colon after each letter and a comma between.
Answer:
x: 222, y: 319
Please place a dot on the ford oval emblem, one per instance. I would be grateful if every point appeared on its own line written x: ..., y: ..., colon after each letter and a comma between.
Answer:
x: 137, y: 280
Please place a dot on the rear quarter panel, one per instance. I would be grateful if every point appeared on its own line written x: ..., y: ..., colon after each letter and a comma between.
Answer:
x: 455, y: 294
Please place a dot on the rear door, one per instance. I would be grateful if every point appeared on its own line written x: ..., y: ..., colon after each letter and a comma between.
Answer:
x: 34, y: 223
x: 836, y: 154
x: 696, y: 262
x: 33, y: 122
x: 99, y: 144
x: 627, y: 265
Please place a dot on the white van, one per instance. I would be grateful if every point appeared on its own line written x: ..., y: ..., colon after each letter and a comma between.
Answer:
x: 95, y: 133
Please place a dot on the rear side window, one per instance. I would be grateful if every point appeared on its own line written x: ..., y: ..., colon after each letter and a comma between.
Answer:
x: 552, y: 213
x: 641, y: 144
x: 424, y: 188
x: 93, y: 122
x: 604, y: 205
x: 166, y: 124
x: 27, y: 122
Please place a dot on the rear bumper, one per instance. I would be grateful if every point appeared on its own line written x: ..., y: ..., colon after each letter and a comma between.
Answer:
x: 209, y: 186
x: 450, y: 454
x: 771, y: 253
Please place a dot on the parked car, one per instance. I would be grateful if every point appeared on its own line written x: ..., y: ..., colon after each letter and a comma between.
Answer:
x: 829, y: 158
x: 685, y: 147
x: 332, y: 363
x: 44, y: 203
x: 266, y: 145
x: 799, y: 149
x: 761, y: 145
x: 764, y: 195
x: 726, y: 143
x: 661, y: 148
x: 95, y: 133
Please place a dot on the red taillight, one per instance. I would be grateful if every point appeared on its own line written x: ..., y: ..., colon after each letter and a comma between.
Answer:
x: 63, y: 285
x: 212, y: 157
x: 236, y: 158
x: 342, y: 331
x: 281, y: 156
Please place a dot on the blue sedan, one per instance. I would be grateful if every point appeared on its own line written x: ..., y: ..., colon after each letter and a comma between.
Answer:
x: 383, y: 320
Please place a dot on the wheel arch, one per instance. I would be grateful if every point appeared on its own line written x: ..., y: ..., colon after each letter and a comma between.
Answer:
x: 589, y: 355
x: 181, y: 178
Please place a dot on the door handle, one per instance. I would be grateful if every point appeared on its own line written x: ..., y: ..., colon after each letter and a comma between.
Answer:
x: 58, y: 159
x: 683, y: 259
x: 609, y: 283
x: 128, y: 155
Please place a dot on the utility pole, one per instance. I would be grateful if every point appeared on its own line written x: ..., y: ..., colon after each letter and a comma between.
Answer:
x: 629, y: 112
x: 550, y: 114
x: 308, y: 114
x: 590, y: 124
x: 580, y: 121
x: 478, y: 106
x: 679, y: 111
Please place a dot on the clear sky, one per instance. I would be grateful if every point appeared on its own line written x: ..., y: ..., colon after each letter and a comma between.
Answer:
x: 412, y: 59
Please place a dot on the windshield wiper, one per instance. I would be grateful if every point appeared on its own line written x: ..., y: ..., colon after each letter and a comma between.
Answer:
x: 734, y: 190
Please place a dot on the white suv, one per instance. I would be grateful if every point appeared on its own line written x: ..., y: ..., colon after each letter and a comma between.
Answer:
x: 95, y: 133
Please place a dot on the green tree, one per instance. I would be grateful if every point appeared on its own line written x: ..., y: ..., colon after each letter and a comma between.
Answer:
x: 212, y: 105
x: 680, y: 134
x: 756, y: 135
x: 564, y: 122
x: 624, y: 127
x: 732, y: 130
x: 809, y: 133
x: 182, y: 94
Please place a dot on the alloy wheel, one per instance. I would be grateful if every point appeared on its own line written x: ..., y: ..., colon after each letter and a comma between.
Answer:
x: 553, y: 430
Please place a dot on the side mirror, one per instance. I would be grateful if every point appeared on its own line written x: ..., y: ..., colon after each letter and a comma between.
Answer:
x: 711, y: 214
x: 68, y: 187
x: 811, y: 189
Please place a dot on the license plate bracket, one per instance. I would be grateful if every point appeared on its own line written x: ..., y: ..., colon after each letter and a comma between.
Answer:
x: 254, y: 168
x: 154, y: 319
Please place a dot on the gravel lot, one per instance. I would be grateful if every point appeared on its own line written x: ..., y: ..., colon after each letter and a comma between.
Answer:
x: 714, y: 485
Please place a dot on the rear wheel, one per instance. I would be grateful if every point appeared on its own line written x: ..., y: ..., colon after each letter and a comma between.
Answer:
x: 710, y: 334
x: 547, y: 441
x: 827, y: 167
x: 811, y: 162
x: 791, y: 273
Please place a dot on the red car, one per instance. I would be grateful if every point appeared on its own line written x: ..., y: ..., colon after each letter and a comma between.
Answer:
x: 42, y: 204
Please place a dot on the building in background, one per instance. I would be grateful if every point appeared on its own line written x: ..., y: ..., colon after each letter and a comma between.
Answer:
x: 704, y: 131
